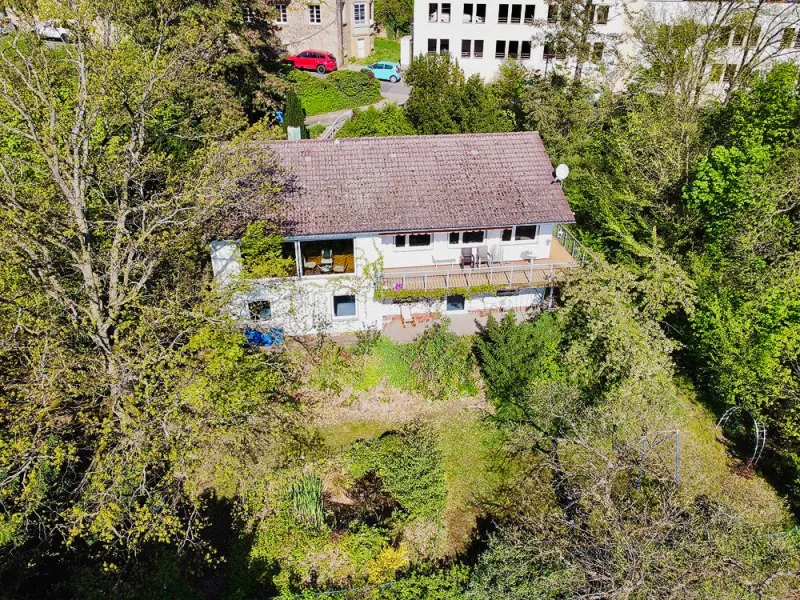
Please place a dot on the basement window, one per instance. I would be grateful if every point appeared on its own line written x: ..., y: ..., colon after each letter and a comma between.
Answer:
x: 344, y: 306
x: 260, y: 310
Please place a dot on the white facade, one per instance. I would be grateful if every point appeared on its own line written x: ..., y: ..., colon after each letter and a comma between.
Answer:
x: 305, y: 305
x: 481, y: 36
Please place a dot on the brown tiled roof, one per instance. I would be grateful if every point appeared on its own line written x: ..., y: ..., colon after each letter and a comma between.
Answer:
x: 412, y: 183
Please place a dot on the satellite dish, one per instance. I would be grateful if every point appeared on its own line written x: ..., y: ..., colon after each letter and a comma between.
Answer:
x: 562, y: 172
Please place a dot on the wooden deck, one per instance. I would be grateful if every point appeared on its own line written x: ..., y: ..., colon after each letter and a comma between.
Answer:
x: 508, y: 274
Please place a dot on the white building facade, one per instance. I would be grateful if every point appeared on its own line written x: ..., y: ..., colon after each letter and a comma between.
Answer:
x: 398, y: 253
x: 484, y: 35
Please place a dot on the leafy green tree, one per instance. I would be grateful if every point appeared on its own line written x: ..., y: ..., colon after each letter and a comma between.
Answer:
x: 377, y: 122
x: 395, y: 16
x: 436, y: 82
x: 295, y: 115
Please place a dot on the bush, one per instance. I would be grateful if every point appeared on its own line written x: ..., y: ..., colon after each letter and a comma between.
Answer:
x: 366, y: 342
x: 441, y: 363
x: 377, y: 122
x: 340, y: 90
x: 512, y: 354
x: 409, y: 463
x: 262, y: 253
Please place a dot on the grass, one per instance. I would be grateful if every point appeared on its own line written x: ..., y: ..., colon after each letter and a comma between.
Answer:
x: 385, y: 49
x: 316, y: 130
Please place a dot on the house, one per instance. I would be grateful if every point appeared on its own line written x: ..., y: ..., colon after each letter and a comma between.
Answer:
x: 345, y: 28
x: 384, y: 229
x: 483, y: 35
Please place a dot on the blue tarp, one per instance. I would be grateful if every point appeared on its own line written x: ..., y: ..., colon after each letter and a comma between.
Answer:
x: 273, y: 337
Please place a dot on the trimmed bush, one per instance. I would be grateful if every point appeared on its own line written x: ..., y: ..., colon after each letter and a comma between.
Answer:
x: 340, y: 90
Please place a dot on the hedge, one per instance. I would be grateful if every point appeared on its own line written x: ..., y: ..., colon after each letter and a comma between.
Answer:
x: 338, y: 91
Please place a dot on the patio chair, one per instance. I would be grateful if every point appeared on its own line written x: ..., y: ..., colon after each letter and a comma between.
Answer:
x: 405, y: 313
x: 467, y: 257
x: 483, y: 256
x: 327, y: 257
x: 340, y: 268
x: 309, y: 265
x: 496, y: 254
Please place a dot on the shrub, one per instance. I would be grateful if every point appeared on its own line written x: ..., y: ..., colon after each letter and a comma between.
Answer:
x: 512, y: 354
x: 341, y: 89
x: 366, y: 342
x: 377, y: 122
x: 306, y: 497
x: 441, y: 363
x: 441, y: 584
x: 409, y: 463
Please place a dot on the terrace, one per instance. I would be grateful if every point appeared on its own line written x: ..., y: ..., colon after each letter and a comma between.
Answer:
x: 327, y: 257
x: 566, y: 254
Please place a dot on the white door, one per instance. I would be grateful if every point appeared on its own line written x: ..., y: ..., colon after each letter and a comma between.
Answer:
x: 361, y: 48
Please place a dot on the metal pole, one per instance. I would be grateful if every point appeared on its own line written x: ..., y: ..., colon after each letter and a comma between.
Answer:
x: 677, y: 456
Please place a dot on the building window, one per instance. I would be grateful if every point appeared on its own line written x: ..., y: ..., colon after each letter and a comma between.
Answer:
x: 247, y: 14
x: 474, y: 13
x: 344, y: 306
x: 716, y: 72
x: 444, y: 46
x: 445, y: 18
x: 500, y: 49
x: 420, y: 240
x: 359, y: 14
x: 738, y: 36
x: 314, y: 14
x: 502, y: 13
x: 561, y: 51
x: 506, y: 237
x: 597, y: 51
x: 730, y: 72
x: 260, y: 310
x: 283, y: 16
x: 400, y: 240
x: 466, y: 46
x: 513, y: 49
x: 530, y: 11
x: 477, y: 50
x: 752, y: 38
x: 525, y: 53
x: 516, y: 13
x: 788, y: 36
x: 552, y: 13
x: 466, y: 237
x: 602, y: 15
x: 455, y: 302
x: 525, y: 233
x: 431, y: 49
x: 433, y: 13
x: 548, y: 53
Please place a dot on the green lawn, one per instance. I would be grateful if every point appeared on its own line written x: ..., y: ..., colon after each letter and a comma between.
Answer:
x: 385, y: 49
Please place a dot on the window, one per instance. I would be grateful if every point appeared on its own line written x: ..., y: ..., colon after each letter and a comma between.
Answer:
x: 433, y: 13
x: 500, y: 49
x: 472, y: 237
x: 360, y: 14
x: 477, y: 50
x: 431, y: 46
x: 602, y: 15
x: 513, y: 49
x: 445, y: 18
x: 730, y: 72
x: 561, y: 51
x: 283, y: 17
x: 597, y: 51
x: 738, y: 36
x: 716, y: 72
x: 466, y: 46
x: 755, y: 33
x: 344, y: 306
x: 552, y: 13
x: 724, y: 35
x: 314, y: 14
x: 506, y: 237
x: 420, y: 240
x: 247, y: 14
x: 525, y: 232
x: 444, y: 46
x: 455, y: 302
x: 530, y: 11
x: 516, y: 13
x: 478, y: 16
x: 525, y: 53
x: 502, y: 14
x: 788, y: 36
x: 454, y: 236
x: 400, y: 240
x: 548, y: 53
x: 260, y: 310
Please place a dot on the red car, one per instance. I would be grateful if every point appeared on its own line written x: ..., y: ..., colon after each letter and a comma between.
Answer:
x: 316, y: 60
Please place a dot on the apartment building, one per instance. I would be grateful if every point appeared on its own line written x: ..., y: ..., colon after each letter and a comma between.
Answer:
x: 344, y: 28
x: 482, y: 35
x: 399, y: 229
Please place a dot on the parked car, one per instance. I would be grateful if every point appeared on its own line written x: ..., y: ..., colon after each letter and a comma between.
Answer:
x: 316, y: 60
x: 48, y: 31
x: 387, y: 71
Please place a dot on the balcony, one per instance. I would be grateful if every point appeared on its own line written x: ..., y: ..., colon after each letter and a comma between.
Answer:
x: 327, y: 257
x: 566, y: 254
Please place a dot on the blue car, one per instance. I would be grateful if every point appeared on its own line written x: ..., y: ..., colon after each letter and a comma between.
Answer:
x: 387, y: 71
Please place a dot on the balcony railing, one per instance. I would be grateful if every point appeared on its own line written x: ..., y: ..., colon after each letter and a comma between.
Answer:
x: 571, y: 244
